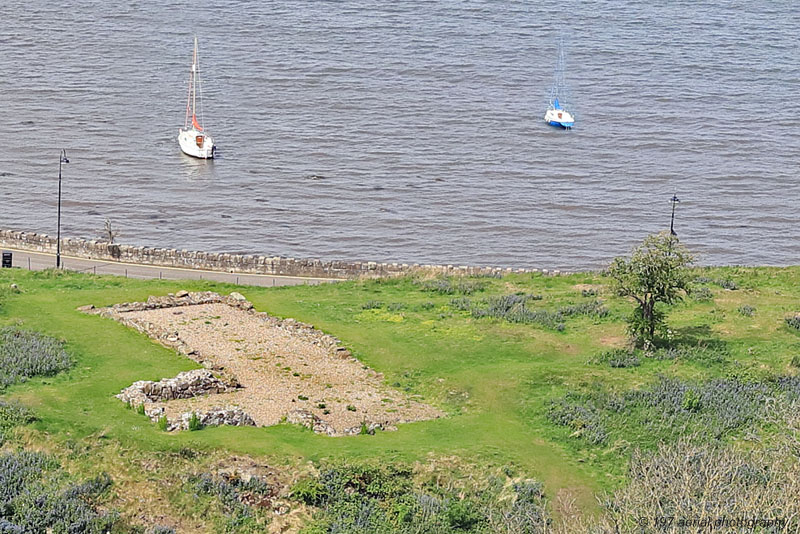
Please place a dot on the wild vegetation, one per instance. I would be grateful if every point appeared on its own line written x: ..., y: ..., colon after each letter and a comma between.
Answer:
x: 573, y: 412
x: 24, y: 354
x: 373, y: 499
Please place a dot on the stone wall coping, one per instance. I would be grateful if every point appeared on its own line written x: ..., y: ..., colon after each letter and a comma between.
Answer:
x: 239, y: 263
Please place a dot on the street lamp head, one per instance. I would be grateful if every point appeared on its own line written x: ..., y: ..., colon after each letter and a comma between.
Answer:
x: 64, y: 156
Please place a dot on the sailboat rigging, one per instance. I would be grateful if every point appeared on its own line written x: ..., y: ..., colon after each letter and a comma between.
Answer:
x: 192, y: 138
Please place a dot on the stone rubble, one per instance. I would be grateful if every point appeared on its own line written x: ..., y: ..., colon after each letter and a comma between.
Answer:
x: 183, y: 386
x: 231, y: 416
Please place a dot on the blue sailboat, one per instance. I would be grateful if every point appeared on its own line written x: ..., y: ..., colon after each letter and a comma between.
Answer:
x: 556, y: 115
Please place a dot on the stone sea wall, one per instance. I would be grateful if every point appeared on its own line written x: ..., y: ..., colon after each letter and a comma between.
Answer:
x: 233, y: 263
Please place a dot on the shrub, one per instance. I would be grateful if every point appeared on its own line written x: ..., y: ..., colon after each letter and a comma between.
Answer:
x: 392, y: 499
x: 24, y: 354
x: 794, y: 322
x: 31, y: 502
x: 310, y: 491
x: 396, y: 306
x: 514, y: 308
x: 461, y: 303
x: 351, y: 408
x: 747, y: 311
x: 795, y: 362
x: 451, y: 286
x: 582, y: 416
x: 240, y: 499
x: 588, y: 292
x: 691, y: 401
x: 702, y: 294
x: 463, y: 515
x: 714, y: 353
x: 726, y: 283
x: 194, y: 422
x: 672, y: 407
x: 13, y: 414
x: 687, y: 480
x: 140, y: 409
x: 617, y: 358
x: 371, y: 305
x: 162, y: 423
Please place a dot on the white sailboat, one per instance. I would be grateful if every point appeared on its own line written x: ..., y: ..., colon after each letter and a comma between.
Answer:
x: 556, y: 115
x: 193, y: 139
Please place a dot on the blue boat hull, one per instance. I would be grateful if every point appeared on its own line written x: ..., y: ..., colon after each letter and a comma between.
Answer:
x: 561, y: 124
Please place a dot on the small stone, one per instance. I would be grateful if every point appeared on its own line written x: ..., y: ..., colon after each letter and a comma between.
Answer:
x: 182, y: 294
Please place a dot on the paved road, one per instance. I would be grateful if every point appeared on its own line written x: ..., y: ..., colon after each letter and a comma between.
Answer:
x: 38, y: 261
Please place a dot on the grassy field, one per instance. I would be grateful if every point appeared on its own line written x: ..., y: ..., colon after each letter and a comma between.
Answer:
x: 497, y: 379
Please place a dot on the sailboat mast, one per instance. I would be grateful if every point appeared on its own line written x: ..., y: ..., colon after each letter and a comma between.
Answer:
x: 194, y: 75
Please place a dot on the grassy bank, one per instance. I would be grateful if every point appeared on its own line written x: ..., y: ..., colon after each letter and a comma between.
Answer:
x: 496, y: 365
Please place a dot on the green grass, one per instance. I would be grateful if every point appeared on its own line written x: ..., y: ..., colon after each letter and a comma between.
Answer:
x: 494, y: 378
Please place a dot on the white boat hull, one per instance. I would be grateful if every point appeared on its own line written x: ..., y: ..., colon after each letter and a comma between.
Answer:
x: 196, y: 143
x: 559, y: 118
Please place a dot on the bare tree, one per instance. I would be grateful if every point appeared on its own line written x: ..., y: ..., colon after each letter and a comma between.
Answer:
x: 109, y: 234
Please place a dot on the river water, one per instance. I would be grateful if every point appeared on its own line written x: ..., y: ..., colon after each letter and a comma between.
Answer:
x: 408, y: 131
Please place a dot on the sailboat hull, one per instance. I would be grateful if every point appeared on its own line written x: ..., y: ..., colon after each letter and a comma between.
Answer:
x: 196, y: 143
x: 559, y: 118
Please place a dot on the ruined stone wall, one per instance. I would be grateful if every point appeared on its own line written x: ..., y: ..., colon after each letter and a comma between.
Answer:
x: 232, y: 263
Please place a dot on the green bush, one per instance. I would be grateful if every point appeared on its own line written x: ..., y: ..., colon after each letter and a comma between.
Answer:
x: 691, y: 401
x: 238, y: 500
x: 617, y: 358
x: 746, y: 310
x: 13, y: 414
x: 726, y: 283
x: 702, y: 294
x: 451, y: 285
x: 162, y: 423
x: 463, y: 515
x: 194, y: 422
x: 310, y: 491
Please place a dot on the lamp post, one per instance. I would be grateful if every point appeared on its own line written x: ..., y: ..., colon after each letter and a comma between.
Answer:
x: 674, y: 201
x: 62, y: 159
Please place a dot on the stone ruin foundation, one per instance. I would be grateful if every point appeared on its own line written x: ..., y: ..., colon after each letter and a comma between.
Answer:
x: 258, y: 370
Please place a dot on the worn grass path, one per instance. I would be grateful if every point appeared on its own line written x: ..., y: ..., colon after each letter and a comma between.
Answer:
x: 494, y: 378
